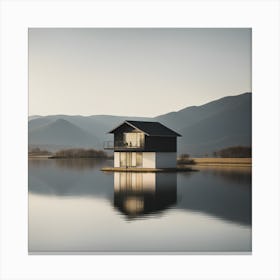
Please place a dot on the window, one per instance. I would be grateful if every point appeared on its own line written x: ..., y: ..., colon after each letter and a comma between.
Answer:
x: 133, y: 139
x: 131, y: 159
x: 139, y: 159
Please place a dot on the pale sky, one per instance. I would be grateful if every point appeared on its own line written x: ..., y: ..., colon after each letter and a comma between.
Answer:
x: 134, y: 72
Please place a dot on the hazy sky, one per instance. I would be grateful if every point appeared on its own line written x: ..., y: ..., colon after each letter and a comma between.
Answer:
x: 134, y: 72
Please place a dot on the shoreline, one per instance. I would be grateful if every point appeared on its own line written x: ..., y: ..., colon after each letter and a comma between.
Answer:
x: 55, y: 157
x: 237, y: 162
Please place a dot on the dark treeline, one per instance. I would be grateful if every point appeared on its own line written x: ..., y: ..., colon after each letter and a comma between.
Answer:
x: 234, y: 152
x: 80, y: 153
x: 185, y: 159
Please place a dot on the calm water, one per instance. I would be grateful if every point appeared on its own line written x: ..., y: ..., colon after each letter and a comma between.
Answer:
x: 75, y: 207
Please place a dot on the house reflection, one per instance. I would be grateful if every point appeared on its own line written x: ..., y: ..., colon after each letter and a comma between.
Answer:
x: 138, y: 194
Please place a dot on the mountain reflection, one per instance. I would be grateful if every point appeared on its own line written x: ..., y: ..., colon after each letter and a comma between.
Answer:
x: 224, y: 193
x: 74, y: 163
x: 238, y: 175
x: 138, y: 194
x: 66, y: 177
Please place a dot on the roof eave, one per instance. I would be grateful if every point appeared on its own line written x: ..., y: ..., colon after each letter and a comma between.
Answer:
x: 177, y: 135
x: 111, y: 131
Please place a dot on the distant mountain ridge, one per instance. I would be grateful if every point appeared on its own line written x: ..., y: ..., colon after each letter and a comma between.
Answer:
x: 206, y: 128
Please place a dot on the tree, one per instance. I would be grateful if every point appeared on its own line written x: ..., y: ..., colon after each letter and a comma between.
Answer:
x: 235, y: 152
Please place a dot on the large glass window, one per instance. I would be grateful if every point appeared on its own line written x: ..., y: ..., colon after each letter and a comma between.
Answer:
x: 133, y: 139
x: 122, y: 159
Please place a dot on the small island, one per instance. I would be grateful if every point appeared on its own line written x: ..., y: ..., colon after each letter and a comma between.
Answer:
x: 69, y: 154
x: 80, y: 153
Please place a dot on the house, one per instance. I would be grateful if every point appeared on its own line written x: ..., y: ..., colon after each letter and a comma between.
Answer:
x: 142, y: 144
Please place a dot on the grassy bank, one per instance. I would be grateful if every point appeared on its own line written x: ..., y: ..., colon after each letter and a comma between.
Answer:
x: 223, y: 161
x: 38, y: 156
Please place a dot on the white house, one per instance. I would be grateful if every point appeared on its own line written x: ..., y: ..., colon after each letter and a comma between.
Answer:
x: 141, y: 144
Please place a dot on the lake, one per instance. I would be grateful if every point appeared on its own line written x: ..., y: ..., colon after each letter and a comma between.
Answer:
x: 76, y: 208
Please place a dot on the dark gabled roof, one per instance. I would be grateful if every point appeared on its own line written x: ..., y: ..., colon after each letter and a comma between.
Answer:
x: 150, y: 128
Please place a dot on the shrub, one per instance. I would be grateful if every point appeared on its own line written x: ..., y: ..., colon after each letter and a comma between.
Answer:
x: 185, y: 159
x: 80, y: 153
x: 234, y: 152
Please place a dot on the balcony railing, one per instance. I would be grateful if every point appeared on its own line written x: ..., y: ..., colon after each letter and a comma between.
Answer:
x: 111, y: 145
x: 108, y: 145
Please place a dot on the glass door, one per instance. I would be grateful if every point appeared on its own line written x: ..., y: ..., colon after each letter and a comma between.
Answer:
x: 128, y: 159
x: 139, y: 159
x: 122, y: 159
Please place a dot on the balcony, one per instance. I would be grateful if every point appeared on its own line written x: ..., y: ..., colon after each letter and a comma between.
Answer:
x: 121, y: 145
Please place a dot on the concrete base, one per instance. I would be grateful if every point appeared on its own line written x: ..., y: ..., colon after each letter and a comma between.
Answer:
x: 134, y: 169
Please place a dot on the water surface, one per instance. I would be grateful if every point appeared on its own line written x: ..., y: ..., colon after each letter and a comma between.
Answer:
x: 75, y: 207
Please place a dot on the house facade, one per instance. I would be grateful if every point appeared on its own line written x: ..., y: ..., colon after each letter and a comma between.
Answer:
x: 139, y: 144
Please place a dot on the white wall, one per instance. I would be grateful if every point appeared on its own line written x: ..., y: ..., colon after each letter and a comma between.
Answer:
x: 116, y: 159
x: 166, y: 160
x: 149, y: 159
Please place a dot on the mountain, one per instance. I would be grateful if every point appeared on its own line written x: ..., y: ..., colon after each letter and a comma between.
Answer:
x: 215, y: 125
x: 33, y: 117
x: 61, y: 133
x: 204, y: 129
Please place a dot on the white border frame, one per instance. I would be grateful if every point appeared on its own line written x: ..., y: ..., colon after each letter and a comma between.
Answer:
x: 262, y: 16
